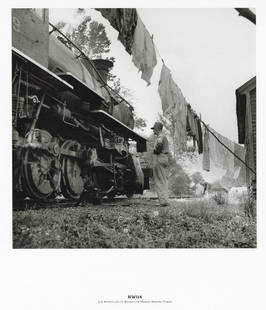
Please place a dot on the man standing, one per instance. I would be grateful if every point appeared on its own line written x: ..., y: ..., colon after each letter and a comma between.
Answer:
x: 160, y: 163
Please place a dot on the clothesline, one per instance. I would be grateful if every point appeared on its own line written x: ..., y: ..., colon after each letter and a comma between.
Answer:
x: 227, y: 147
x: 158, y: 52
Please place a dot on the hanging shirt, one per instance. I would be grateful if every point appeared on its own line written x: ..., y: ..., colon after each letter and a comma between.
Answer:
x: 125, y: 22
x: 143, y: 50
x: 206, y: 151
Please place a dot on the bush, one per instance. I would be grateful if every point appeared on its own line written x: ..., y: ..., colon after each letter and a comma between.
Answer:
x: 219, y: 198
x: 250, y: 207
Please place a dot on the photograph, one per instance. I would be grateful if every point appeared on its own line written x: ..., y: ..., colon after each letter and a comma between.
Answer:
x: 132, y: 176
x: 132, y: 133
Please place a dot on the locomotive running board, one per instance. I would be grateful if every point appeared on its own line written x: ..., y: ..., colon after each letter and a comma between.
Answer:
x: 120, y: 128
x: 80, y: 88
x: 42, y: 72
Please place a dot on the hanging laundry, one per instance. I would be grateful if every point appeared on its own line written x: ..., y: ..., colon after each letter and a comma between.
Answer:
x: 228, y: 162
x: 180, y: 115
x: 199, y: 136
x: 174, y: 107
x: 239, y: 167
x: 240, y: 151
x: 125, y: 22
x: 219, y: 155
x: 191, y: 122
x: 194, y: 127
x: 168, y: 91
x: 206, y: 151
x: 143, y: 51
x: 180, y: 137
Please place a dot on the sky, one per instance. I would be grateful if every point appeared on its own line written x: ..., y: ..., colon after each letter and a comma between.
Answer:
x: 210, y: 53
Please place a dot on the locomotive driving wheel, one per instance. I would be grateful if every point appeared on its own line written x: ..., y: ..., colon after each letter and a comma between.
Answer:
x: 72, y: 185
x: 40, y: 173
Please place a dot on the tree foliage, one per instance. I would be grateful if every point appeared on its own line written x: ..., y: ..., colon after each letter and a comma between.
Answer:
x: 196, y: 177
x: 140, y: 123
x: 179, y: 181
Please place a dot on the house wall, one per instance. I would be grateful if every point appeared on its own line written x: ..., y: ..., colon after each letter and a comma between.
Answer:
x: 250, y: 139
x: 254, y: 137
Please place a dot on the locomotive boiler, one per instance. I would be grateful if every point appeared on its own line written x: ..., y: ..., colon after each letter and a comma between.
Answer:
x: 71, y: 131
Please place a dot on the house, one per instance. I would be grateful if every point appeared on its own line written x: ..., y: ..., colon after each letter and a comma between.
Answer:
x: 246, y: 123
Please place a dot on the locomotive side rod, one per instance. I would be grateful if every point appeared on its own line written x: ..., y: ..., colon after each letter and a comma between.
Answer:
x: 37, y: 113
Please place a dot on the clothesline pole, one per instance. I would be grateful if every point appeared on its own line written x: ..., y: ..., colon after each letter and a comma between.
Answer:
x: 227, y: 147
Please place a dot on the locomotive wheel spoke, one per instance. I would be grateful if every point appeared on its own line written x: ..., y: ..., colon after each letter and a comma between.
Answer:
x: 40, y: 179
x: 72, y: 185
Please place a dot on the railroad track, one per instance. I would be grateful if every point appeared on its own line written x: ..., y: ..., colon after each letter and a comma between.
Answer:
x: 29, y: 204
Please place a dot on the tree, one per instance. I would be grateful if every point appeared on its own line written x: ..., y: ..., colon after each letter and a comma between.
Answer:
x: 140, y: 123
x: 90, y: 36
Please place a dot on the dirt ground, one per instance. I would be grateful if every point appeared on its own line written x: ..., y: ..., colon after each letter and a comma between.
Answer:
x: 135, y: 223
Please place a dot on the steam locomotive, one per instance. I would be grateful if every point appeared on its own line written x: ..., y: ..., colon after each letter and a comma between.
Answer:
x: 71, y: 131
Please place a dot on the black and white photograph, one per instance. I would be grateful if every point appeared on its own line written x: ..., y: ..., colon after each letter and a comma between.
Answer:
x: 132, y: 172
x: 124, y: 137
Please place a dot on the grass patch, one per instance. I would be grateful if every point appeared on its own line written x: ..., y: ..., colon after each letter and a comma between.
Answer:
x: 136, y: 224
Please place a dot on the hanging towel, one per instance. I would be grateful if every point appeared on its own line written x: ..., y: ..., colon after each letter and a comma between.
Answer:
x: 206, y: 151
x: 125, y: 22
x: 143, y: 51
